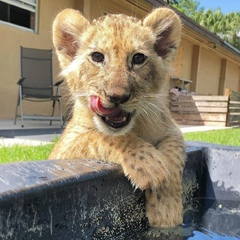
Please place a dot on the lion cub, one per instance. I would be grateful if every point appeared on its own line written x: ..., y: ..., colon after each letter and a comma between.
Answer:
x: 116, y: 69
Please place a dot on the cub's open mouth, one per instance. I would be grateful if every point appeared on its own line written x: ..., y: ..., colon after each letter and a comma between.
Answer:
x: 113, y: 117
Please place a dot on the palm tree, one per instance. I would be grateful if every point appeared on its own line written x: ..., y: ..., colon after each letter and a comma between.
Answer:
x: 227, y: 26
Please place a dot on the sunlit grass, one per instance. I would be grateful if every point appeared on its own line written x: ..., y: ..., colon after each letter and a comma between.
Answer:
x: 18, y: 153
x: 229, y: 137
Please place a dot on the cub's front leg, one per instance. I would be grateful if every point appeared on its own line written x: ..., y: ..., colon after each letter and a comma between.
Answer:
x: 164, y: 205
x: 141, y: 162
x: 158, y: 170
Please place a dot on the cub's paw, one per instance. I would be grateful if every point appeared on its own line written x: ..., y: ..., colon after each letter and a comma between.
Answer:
x: 162, y: 220
x: 163, y: 211
x: 145, y: 170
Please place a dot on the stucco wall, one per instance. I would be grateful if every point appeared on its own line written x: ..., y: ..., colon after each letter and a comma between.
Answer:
x: 209, y: 72
x: 208, y: 69
x: 232, y: 76
x: 178, y: 63
x: 187, y: 59
x: 12, y: 38
x: 95, y: 9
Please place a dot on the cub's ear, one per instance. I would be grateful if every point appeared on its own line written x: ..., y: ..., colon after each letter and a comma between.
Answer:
x: 166, y: 27
x: 68, y: 26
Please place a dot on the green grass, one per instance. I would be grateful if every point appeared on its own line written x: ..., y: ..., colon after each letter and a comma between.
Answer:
x: 229, y: 137
x: 19, y: 153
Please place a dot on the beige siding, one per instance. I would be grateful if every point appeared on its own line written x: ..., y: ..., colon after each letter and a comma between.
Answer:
x: 209, y: 72
x: 232, y: 76
x: 178, y: 63
x: 206, y: 68
x: 187, y: 59
x: 11, y: 40
x: 96, y: 9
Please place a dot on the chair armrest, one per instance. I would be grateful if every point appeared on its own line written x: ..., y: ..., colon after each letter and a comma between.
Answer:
x: 20, y: 81
x: 58, y: 83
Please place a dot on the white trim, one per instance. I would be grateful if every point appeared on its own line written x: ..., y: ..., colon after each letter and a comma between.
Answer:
x: 17, y: 26
x: 36, y: 17
x: 29, y: 5
x: 24, y: 4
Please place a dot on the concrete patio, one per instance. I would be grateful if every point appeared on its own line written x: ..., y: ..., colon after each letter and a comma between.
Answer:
x: 41, y: 132
x: 34, y: 133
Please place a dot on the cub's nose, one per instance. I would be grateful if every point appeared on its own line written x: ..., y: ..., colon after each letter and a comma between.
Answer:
x: 118, y: 98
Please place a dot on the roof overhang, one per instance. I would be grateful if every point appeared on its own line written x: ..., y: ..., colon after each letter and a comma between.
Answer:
x: 201, y: 34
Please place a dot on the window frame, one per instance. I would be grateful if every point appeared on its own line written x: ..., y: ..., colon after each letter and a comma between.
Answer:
x: 28, y: 6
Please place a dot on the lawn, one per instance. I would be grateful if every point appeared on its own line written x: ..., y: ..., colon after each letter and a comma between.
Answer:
x: 17, y: 153
x: 229, y: 137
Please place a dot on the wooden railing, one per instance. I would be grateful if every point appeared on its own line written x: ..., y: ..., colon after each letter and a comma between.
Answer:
x: 233, y: 118
x: 206, y: 110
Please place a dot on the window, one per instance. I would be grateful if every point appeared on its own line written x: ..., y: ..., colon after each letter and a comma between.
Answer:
x: 20, y: 12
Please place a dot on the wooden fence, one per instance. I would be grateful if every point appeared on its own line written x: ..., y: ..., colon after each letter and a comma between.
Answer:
x: 206, y: 110
x: 234, y: 109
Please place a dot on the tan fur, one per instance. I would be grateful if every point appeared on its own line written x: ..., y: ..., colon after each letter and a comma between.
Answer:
x: 150, y: 148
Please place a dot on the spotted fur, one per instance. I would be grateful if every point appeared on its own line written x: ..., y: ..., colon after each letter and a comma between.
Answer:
x: 150, y: 146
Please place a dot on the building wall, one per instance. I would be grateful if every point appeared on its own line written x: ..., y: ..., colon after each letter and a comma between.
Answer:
x: 232, y: 76
x: 178, y: 63
x: 207, y: 66
x: 209, y: 69
x: 187, y: 59
x: 12, y: 37
x: 209, y: 72
x: 95, y: 9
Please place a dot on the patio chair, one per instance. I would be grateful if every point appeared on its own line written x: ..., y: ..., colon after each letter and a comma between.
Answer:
x: 36, y: 84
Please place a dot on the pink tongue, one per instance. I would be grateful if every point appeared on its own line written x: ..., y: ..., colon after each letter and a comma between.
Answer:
x: 115, y: 113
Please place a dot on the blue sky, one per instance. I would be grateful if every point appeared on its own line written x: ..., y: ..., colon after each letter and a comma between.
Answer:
x: 225, y: 5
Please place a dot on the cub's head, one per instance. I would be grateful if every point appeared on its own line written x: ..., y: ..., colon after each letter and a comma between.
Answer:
x: 115, y: 65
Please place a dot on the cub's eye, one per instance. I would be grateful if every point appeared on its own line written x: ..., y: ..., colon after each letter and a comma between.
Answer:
x: 138, y: 58
x: 97, y: 57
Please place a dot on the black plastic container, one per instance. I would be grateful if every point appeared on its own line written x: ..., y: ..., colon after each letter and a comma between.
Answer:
x: 93, y: 200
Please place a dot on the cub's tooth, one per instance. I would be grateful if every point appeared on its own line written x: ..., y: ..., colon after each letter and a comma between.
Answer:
x: 107, y: 118
x: 124, y: 119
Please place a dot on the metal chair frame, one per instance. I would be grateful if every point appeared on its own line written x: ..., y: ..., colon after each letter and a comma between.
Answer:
x: 31, y: 93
